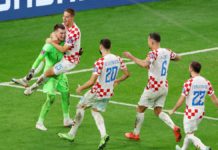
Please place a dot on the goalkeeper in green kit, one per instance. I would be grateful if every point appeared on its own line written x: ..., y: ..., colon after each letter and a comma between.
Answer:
x: 57, y: 83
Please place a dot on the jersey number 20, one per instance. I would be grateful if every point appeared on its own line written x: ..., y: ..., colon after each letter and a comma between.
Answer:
x: 111, y: 74
x: 198, y: 97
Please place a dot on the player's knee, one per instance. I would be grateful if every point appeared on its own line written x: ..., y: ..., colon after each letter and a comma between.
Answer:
x: 49, y: 72
x: 51, y: 99
x: 94, y: 110
x: 157, y: 111
x: 141, y: 109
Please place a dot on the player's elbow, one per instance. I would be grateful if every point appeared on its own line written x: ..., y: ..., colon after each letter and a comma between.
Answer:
x: 91, y: 82
x: 145, y: 66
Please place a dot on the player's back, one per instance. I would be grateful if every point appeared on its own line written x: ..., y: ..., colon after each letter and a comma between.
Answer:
x: 158, y: 68
x: 73, y: 39
x: 107, y: 68
x: 195, y: 90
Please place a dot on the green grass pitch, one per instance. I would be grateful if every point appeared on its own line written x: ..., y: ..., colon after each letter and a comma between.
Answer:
x: 185, y: 25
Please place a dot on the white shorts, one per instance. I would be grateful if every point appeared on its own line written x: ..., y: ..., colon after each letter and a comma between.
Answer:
x: 90, y: 100
x: 152, y: 99
x: 63, y: 66
x: 191, y: 125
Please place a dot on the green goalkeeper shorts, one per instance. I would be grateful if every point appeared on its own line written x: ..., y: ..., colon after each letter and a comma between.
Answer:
x: 54, y: 84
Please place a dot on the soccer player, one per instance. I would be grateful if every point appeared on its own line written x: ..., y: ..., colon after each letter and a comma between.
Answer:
x: 102, y: 84
x: 60, y: 83
x: 194, y: 93
x: 154, y: 95
x: 71, y: 50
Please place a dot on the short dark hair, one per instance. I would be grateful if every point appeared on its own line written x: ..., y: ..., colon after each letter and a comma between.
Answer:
x: 70, y: 11
x: 59, y: 26
x: 106, y: 43
x: 155, y: 36
x: 196, y: 66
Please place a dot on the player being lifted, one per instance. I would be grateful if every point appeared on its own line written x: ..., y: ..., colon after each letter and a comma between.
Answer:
x: 102, y: 84
x: 73, y: 35
x: 154, y: 95
x: 71, y: 50
x: 59, y: 83
x: 50, y: 55
x: 194, y: 92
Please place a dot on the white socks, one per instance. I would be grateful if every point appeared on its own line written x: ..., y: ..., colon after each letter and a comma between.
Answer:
x: 99, y: 120
x: 41, y: 79
x: 166, y: 118
x: 186, y: 143
x: 77, y: 121
x: 138, y: 122
x: 197, y: 142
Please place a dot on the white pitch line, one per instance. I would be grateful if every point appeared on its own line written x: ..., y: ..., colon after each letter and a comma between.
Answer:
x: 199, y: 51
x: 112, y: 102
x: 131, y: 63
x: 8, y: 84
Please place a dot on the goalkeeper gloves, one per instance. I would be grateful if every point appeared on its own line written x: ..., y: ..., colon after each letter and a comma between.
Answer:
x: 30, y: 74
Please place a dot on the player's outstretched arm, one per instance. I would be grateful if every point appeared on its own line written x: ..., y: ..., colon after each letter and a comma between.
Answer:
x: 143, y: 63
x: 178, y: 104
x: 125, y: 75
x: 88, y: 84
x: 214, y: 99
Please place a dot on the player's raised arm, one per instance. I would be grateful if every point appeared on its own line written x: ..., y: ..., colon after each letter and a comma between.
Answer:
x: 61, y: 48
x: 58, y: 33
x: 143, y: 63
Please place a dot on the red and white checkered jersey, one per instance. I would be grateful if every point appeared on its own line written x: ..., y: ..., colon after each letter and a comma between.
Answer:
x: 107, y: 69
x: 73, y: 38
x: 159, y: 63
x: 195, y: 90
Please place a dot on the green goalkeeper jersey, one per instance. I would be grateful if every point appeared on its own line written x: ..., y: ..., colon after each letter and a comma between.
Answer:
x: 52, y: 56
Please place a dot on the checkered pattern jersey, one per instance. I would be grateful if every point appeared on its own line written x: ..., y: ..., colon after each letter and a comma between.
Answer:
x: 107, y: 69
x: 73, y: 38
x: 195, y: 90
x: 159, y: 63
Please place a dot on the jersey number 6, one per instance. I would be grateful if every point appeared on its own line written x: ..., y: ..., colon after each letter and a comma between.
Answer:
x: 164, y: 69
